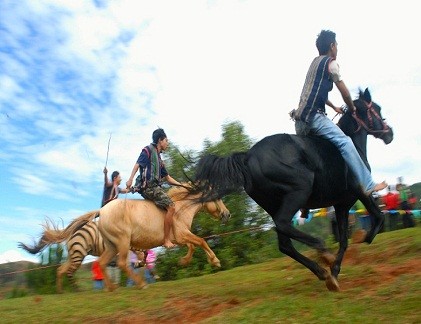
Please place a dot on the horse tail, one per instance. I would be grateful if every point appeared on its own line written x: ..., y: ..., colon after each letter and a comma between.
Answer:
x: 78, y: 223
x: 52, y: 235
x: 219, y: 176
x: 35, y: 248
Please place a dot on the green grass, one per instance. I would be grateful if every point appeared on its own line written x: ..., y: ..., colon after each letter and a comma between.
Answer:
x: 380, y: 282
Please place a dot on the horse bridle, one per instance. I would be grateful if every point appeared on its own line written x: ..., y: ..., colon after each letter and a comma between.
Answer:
x: 371, y: 112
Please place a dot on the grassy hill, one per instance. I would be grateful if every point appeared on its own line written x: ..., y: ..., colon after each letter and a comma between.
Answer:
x: 11, y: 273
x: 380, y: 282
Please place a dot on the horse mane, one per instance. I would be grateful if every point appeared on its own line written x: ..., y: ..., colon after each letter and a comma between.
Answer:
x: 177, y: 193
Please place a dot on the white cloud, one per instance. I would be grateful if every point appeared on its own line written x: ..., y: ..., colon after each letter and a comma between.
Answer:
x: 14, y: 256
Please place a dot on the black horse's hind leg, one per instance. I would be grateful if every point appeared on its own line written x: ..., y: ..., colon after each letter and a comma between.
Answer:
x: 341, y: 214
x: 286, y: 247
x: 291, y: 203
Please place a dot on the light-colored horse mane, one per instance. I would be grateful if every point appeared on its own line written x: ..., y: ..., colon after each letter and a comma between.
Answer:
x: 178, y: 193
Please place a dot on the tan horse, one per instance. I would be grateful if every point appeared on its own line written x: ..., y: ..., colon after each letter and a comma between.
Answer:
x: 139, y: 224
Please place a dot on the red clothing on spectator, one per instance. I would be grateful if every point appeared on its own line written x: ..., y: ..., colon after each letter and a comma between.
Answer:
x: 391, y: 200
x: 412, y: 201
x: 96, y: 271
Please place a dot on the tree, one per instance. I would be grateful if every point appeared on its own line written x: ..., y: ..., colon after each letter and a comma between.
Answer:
x: 43, y: 279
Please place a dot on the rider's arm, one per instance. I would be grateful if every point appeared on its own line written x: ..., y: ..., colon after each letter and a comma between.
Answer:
x: 107, y: 183
x: 337, y: 109
x: 142, y: 160
x: 130, y: 180
x: 336, y: 77
x: 172, y: 181
x: 345, y: 94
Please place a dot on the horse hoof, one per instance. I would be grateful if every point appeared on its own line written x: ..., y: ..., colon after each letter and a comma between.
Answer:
x: 183, y: 262
x: 112, y: 287
x: 327, y: 258
x: 332, y: 284
x: 359, y: 236
x: 215, y: 262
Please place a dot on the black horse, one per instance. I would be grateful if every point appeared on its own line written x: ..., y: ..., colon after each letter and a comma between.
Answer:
x: 284, y: 173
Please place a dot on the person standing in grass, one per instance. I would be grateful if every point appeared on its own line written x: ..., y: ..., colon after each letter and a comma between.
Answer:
x: 97, y: 276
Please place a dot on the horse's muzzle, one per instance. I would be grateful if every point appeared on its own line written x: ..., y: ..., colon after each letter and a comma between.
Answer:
x: 387, y: 137
x: 225, y: 217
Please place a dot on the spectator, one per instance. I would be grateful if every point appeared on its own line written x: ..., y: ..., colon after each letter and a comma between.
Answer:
x: 391, y: 202
x: 136, y: 262
x: 404, y: 193
x: 150, y: 272
x: 114, y: 271
x: 412, y: 201
x: 404, y: 196
x: 330, y: 213
x: 97, y: 276
x: 363, y: 215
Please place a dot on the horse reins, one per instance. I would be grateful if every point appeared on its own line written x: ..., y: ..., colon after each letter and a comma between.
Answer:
x: 370, y: 113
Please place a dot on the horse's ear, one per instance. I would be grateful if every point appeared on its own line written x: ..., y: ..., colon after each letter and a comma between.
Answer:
x: 367, y: 95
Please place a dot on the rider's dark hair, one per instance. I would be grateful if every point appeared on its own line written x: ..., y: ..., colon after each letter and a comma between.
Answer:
x: 158, y: 134
x: 324, y: 40
x: 114, y: 175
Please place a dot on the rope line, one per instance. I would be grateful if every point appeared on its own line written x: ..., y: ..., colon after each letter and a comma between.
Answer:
x: 232, y: 232
x: 27, y: 270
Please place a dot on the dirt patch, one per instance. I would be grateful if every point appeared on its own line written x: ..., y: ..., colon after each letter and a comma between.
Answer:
x: 379, y: 274
x: 178, y: 310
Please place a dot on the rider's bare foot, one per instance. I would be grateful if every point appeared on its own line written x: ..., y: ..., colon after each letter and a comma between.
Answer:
x: 169, y: 245
x: 379, y: 186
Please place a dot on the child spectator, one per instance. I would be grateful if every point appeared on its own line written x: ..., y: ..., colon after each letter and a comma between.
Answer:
x: 97, y: 276
x: 150, y: 272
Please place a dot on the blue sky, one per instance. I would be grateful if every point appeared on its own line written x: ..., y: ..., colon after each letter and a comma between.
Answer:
x: 74, y: 72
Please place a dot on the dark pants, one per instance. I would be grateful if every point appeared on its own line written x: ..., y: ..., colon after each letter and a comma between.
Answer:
x: 408, y: 220
x: 393, y: 220
x: 365, y: 222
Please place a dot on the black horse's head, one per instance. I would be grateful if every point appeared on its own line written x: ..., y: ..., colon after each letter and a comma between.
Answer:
x: 368, y: 118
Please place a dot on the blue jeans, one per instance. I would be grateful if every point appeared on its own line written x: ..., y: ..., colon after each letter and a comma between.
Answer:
x: 323, y: 127
x: 130, y: 282
x: 98, y: 284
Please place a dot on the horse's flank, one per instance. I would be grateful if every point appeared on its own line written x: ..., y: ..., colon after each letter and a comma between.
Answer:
x: 140, y: 217
x: 145, y: 220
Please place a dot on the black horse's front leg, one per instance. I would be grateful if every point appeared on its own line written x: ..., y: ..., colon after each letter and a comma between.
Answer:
x: 376, y: 216
x: 377, y: 222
